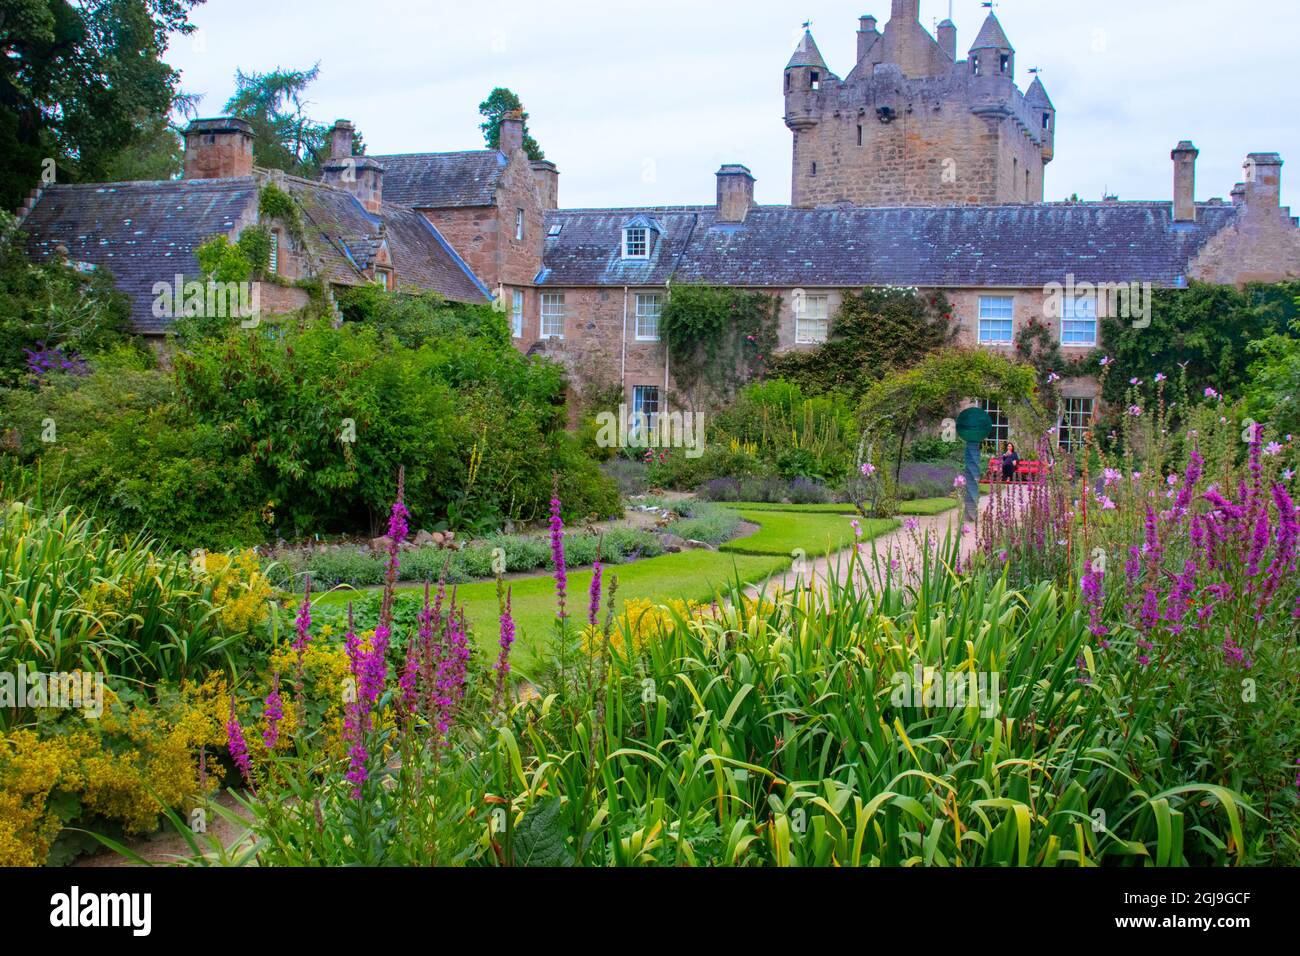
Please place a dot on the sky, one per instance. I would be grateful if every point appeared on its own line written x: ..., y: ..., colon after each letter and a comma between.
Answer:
x: 640, y: 103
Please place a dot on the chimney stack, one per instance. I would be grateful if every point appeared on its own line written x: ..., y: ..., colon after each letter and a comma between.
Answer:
x: 341, y: 137
x: 1263, y: 179
x: 547, y: 179
x: 947, y: 36
x: 219, y: 148
x: 512, y: 132
x: 1184, y: 157
x: 909, y: 10
x: 359, y: 175
x: 735, y: 193
x: 867, y: 35
x: 1238, y: 194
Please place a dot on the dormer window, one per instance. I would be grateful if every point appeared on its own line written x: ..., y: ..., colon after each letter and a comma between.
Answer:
x: 384, y: 279
x: 636, y: 242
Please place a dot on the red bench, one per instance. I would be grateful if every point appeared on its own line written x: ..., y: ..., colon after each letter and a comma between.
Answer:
x: 1025, y: 471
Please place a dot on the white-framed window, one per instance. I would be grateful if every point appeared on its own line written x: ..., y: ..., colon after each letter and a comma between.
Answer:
x: 519, y: 225
x: 1076, y: 418
x: 649, y: 306
x: 1079, y: 321
x: 645, y: 402
x: 1001, y: 433
x: 811, y: 319
x: 552, y: 315
x: 636, y: 242
x: 273, y: 262
x: 517, y: 313
x: 384, y: 279
x: 996, y: 319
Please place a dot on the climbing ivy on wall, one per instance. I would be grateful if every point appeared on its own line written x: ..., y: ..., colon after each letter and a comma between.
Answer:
x: 718, y: 339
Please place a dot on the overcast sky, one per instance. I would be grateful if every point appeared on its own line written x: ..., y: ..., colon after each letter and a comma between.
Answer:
x: 639, y: 102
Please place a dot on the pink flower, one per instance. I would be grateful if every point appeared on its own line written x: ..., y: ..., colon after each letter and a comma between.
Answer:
x: 868, y: 470
x: 959, y: 482
x: 1211, y: 393
x: 1106, y: 360
x: 1160, y: 377
x: 1135, y: 381
x: 1135, y: 411
x: 1273, y: 449
x: 857, y: 527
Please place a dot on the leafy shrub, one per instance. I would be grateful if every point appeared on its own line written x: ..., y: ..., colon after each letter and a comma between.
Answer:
x: 719, y: 489
x: 707, y: 523
x: 763, y: 489
x: 932, y: 448
x: 924, y: 480
x: 804, y: 492
x: 631, y: 476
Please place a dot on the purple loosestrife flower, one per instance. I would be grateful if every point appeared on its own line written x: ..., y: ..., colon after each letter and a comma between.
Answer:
x: 274, y: 713
x: 1095, y: 600
x: 303, y: 621
x: 355, y: 717
x: 557, y: 559
x: 593, y: 609
x: 449, y: 681
x: 507, y: 640
x: 237, y: 745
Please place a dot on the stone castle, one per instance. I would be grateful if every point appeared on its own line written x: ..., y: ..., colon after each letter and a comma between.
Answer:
x: 917, y: 169
x: 912, y: 124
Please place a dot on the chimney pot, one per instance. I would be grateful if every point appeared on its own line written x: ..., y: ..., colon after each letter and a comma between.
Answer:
x: 735, y: 193
x: 218, y: 148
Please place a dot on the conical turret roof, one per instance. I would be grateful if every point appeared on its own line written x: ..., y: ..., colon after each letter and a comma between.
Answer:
x: 807, y: 54
x: 992, y: 36
x: 1036, y: 95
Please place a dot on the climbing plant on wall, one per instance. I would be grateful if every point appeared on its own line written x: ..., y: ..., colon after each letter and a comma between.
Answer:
x: 718, y: 339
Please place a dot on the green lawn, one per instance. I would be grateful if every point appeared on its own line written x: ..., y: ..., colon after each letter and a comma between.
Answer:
x: 690, y: 575
x: 813, y: 532
x: 922, y: 506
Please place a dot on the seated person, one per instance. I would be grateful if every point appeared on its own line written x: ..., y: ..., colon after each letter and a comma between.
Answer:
x: 1010, y: 459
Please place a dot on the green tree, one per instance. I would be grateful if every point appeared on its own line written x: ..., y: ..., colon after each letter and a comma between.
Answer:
x: 905, y: 401
x: 1205, y: 328
x: 1273, y: 392
x: 874, y: 332
x: 500, y: 102
x: 275, y: 105
x: 82, y: 85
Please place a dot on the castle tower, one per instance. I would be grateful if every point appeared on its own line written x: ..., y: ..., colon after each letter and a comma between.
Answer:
x: 912, y: 125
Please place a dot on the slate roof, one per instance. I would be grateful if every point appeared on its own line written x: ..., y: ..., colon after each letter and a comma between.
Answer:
x: 147, y: 232
x: 1037, y: 96
x: 807, y: 54
x: 143, y: 232
x: 992, y: 36
x: 443, y: 180
x: 346, y: 238
x: 1023, y: 246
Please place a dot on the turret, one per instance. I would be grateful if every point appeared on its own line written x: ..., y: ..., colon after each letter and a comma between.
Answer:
x: 992, y: 54
x: 1041, y: 108
x: 947, y: 36
x: 805, y: 76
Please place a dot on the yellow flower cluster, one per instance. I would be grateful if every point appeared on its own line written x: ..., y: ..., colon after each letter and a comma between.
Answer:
x: 643, y: 620
x: 124, y: 767
x: 239, y: 589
